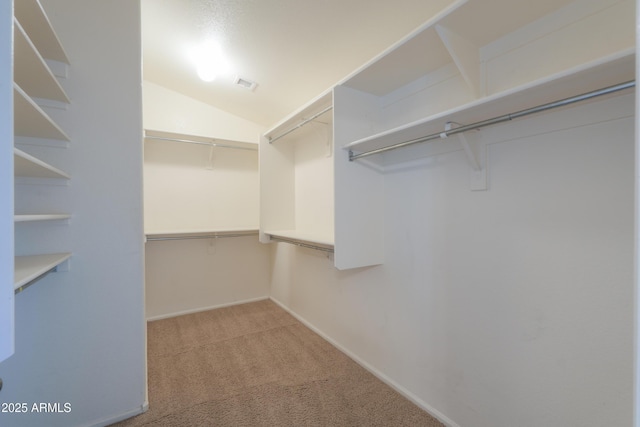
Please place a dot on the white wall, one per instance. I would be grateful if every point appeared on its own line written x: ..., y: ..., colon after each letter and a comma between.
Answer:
x: 188, y: 187
x: 6, y: 183
x: 184, y: 191
x: 506, y: 307
x: 80, y: 334
x: 169, y: 111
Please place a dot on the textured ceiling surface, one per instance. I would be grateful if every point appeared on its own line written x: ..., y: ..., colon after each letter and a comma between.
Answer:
x: 293, y: 49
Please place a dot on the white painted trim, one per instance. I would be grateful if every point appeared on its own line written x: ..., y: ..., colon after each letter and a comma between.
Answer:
x: 197, y: 310
x: 382, y: 377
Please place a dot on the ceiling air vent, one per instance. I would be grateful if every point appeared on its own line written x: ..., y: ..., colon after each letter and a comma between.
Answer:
x: 244, y: 83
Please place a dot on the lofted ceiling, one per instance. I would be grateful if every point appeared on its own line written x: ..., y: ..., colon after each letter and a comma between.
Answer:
x: 293, y: 49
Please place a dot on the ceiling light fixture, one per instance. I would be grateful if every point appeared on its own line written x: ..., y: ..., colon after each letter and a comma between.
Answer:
x: 210, y: 61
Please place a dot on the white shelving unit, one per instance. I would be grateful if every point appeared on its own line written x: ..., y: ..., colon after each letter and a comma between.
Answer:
x: 37, y: 53
x: 482, y: 59
x: 199, y: 186
x: 33, y: 267
x: 474, y: 61
x: 29, y: 166
x: 296, y: 177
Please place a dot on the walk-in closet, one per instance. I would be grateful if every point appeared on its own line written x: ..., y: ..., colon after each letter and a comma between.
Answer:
x: 366, y: 213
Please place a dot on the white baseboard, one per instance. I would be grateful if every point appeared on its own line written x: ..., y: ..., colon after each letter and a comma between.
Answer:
x: 199, y: 309
x: 382, y: 377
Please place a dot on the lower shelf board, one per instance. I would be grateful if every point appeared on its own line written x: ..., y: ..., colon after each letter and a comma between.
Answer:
x: 30, y: 268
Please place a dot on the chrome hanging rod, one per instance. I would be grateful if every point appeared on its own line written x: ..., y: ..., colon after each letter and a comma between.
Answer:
x: 299, y: 125
x: 206, y: 236
x: 301, y: 244
x: 499, y: 119
x: 208, y: 144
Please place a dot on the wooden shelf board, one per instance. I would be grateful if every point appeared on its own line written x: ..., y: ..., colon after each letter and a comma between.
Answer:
x: 29, y: 268
x: 26, y: 165
x: 35, y: 22
x: 31, y: 71
x: 614, y: 69
x: 31, y: 121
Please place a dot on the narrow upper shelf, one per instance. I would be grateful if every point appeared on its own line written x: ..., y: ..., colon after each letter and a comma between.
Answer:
x: 25, y: 165
x: 614, y: 69
x: 31, y: 71
x: 31, y: 121
x: 30, y: 268
x: 320, y: 104
x: 35, y: 22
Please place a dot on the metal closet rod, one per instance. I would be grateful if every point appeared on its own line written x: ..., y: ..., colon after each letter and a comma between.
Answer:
x: 299, y: 125
x: 301, y: 244
x: 208, y: 144
x: 499, y: 119
x: 207, y: 236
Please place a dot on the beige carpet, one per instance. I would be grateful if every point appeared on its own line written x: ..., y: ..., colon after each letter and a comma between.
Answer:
x: 256, y: 365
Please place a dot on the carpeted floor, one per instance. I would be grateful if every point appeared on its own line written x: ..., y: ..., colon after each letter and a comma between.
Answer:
x: 256, y: 365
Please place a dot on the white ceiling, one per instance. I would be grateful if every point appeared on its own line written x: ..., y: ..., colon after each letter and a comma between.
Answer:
x: 293, y: 49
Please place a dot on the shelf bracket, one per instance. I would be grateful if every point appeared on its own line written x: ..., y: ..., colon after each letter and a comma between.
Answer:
x: 476, y: 155
x: 211, y: 159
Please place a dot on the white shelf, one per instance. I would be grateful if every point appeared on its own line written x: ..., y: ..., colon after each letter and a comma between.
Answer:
x: 40, y: 217
x: 31, y: 121
x: 294, y: 119
x: 35, y: 22
x: 202, y: 232
x: 28, y: 166
x: 31, y: 71
x: 614, y: 69
x: 29, y: 268
x: 302, y: 236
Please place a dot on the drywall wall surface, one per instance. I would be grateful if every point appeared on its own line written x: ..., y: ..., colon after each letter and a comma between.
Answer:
x: 169, y: 111
x: 80, y: 334
x: 6, y: 184
x: 498, y: 308
x: 186, y: 276
x: 194, y: 188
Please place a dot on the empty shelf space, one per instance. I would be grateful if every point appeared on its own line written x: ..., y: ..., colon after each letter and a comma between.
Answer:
x: 35, y: 22
x: 30, y: 268
x: 25, y: 165
x: 31, y: 121
x: 31, y: 72
x: 40, y: 217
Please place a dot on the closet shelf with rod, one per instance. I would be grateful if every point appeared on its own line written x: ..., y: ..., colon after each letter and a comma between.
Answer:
x: 198, y: 140
x: 500, y: 119
x: 301, y: 240
x: 199, y: 234
x: 29, y: 269
x: 601, y: 77
x: 312, y: 111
